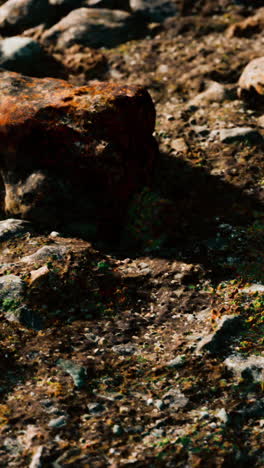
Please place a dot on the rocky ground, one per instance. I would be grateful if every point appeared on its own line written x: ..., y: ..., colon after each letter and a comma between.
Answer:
x: 148, y: 351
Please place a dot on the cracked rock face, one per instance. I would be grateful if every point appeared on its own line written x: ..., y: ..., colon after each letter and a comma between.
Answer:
x: 73, y: 152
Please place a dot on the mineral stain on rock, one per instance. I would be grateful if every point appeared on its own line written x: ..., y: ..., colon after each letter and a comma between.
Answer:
x: 71, y: 153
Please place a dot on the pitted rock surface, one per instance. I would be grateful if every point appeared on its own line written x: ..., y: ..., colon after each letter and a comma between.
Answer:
x: 73, y: 152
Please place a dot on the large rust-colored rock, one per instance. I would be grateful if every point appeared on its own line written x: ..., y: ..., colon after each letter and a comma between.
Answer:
x: 70, y: 153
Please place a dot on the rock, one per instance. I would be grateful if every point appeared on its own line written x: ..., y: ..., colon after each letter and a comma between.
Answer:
x: 25, y: 55
x: 246, y: 28
x: 57, y: 423
x: 92, y: 27
x: 77, y: 373
x: 230, y: 135
x: 174, y: 399
x: 36, y: 461
x: 177, y: 362
x: 26, y: 317
x: 95, y: 408
x: 18, y: 15
x: 46, y: 253
x: 214, y: 93
x: 37, y: 276
x: 10, y: 228
x: 251, y: 82
x: 260, y: 121
x: 222, y: 415
x: 251, y: 368
x: 117, y: 429
x: 12, y: 291
x: 74, y: 154
x: 125, y: 349
x: 253, y: 288
x: 154, y: 10
x: 228, y: 327
x: 179, y: 145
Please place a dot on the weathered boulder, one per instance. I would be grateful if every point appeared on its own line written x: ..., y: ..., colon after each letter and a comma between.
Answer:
x: 251, y: 82
x: 92, y: 27
x: 69, y: 153
x: 18, y: 15
x: 25, y: 55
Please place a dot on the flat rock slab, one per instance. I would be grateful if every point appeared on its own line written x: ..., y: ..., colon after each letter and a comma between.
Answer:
x: 73, y: 152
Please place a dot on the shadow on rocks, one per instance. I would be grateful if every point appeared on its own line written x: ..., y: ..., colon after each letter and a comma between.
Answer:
x: 191, y: 215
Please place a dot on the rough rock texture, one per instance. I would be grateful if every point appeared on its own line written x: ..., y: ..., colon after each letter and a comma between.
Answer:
x: 92, y: 27
x: 251, y: 82
x: 82, y: 62
x: 69, y: 151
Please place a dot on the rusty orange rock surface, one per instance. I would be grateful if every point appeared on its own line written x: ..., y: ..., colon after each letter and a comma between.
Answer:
x: 93, y: 141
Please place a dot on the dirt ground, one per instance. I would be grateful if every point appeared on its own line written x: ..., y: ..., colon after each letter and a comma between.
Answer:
x: 129, y: 316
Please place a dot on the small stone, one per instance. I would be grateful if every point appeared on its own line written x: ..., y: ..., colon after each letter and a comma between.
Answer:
x: 222, y: 415
x: 160, y: 405
x: 36, y: 276
x: 54, y: 234
x: 179, y: 145
x: 125, y: 349
x: 77, y: 372
x: 177, y: 362
x: 230, y: 135
x: 175, y: 399
x: 58, y: 422
x: 95, y: 408
x: 214, y: 93
x: 117, y: 430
